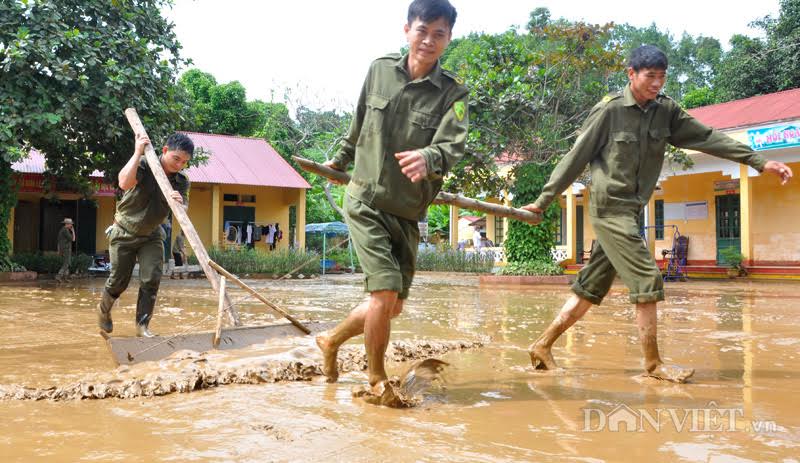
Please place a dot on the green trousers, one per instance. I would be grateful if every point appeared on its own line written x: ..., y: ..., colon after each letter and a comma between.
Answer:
x: 386, y: 246
x: 125, y: 249
x: 619, y: 250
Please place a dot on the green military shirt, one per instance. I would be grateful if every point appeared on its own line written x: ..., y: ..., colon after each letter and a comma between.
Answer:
x: 143, y: 207
x: 64, y: 239
x: 624, y: 147
x: 396, y: 114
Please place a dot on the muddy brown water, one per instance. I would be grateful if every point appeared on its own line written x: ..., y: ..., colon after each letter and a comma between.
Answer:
x: 742, y: 337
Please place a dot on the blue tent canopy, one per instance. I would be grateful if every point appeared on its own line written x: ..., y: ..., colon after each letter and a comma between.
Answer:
x: 329, y: 228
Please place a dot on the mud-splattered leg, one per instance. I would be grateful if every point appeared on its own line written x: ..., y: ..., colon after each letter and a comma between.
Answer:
x: 647, y: 319
x: 377, y: 327
x: 329, y: 341
x: 540, y: 351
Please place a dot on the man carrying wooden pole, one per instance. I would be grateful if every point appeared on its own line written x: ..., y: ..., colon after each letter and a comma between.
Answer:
x: 409, y: 129
x: 137, y: 233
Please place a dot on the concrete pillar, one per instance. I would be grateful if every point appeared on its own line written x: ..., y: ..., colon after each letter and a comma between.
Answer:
x: 301, y: 220
x: 11, y: 230
x: 572, y: 228
x: 650, y: 221
x: 454, y: 226
x: 491, y: 233
x: 216, y: 210
x: 745, y: 206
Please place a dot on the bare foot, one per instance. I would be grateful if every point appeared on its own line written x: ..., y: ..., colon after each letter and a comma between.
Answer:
x: 673, y: 373
x: 330, y: 366
x: 541, y: 357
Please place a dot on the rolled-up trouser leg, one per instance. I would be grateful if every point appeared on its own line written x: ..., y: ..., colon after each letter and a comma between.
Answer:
x: 627, y: 253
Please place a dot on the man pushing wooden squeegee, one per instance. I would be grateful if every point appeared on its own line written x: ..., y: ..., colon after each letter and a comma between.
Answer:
x: 137, y: 232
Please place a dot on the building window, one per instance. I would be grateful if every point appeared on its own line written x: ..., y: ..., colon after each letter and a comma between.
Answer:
x: 499, y: 232
x: 231, y: 198
x: 659, y: 219
x: 247, y: 198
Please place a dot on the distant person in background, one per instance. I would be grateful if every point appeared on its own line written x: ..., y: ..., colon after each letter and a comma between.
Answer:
x: 278, y: 236
x: 66, y: 236
x: 477, y: 241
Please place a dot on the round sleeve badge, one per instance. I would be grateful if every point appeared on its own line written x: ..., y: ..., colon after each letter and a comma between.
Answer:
x: 460, y: 110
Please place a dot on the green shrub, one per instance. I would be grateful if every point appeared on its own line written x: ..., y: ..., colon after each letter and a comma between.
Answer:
x: 342, y: 257
x: 12, y: 267
x: 280, y: 262
x: 451, y: 260
x: 50, y: 262
x: 532, y: 268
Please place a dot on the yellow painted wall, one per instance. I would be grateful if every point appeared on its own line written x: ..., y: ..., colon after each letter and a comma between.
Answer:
x: 199, y: 214
x: 776, y: 218
x: 106, y: 206
x: 588, y: 231
x: 271, y: 206
x: 702, y: 233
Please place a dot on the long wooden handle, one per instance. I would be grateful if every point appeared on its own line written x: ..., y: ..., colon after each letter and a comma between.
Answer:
x: 258, y: 296
x: 220, y: 313
x: 498, y: 210
x: 179, y: 211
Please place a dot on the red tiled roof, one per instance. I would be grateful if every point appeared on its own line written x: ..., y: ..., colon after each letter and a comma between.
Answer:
x: 34, y: 164
x: 242, y: 161
x: 755, y: 110
x: 234, y: 160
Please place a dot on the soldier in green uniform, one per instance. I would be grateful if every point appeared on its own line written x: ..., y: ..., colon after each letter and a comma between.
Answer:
x: 66, y: 236
x: 137, y: 233
x: 623, y: 141
x: 409, y: 129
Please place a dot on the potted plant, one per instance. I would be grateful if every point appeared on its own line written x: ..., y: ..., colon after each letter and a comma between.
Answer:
x: 733, y: 259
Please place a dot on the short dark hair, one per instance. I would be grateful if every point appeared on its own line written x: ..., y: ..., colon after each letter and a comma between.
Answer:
x: 180, y: 142
x: 431, y: 10
x: 647, y: 57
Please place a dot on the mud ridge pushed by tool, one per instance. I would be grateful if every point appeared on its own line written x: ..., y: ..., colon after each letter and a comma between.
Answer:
x: 188, y: 371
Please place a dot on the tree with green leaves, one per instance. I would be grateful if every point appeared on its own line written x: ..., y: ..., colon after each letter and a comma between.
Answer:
x: 69, y: 69
x: 221, y: 108
x: 756, y: 66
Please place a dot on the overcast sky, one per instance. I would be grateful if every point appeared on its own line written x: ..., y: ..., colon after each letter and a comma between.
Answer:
x: 322, y: 48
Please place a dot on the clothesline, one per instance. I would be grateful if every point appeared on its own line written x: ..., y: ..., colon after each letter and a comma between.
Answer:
x: 244, y: 232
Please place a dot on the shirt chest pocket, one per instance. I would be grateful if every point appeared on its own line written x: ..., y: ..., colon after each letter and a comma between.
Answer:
x: 376, y: 112
x: 659, y: 138
x: 422, y: 127
x: 625, y: 148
